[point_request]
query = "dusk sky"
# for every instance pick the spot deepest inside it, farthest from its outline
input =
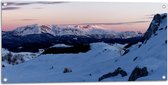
(112, 16)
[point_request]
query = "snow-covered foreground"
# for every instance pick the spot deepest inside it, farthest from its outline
(101, 59)
(82, 64)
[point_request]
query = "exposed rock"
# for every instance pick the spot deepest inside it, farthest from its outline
(165, 41)
(135, 58)
(164, 16)
(126, 51)
(161, 29)
(3, 66)
(139, 46)
(90, 74)
(115, 73)
(153, 26)
(165, 27)
(67, 70)
(137, 73)
(129, 45)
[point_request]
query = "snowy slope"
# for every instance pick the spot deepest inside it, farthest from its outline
(101, 59)
(38, 69)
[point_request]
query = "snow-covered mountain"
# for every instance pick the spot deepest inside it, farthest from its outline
(59, 30)
(44, 36)
(142, 61)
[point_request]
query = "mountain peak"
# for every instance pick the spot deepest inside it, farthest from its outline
(87, 26)
(26, 30)
(157, 22)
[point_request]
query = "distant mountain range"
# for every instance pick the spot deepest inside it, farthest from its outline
(78, 30)
(34, 37)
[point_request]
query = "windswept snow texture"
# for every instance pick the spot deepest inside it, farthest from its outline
(101, 59)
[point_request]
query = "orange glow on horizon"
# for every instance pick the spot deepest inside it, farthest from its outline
(82, 12)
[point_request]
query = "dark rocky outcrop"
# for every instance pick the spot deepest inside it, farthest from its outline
(139, 45)
(125, 51)
(161, 29)
(90, 74)
(3, 66)
(165, 27)
(135, 58)
(137, 73)
(129, 45)
(115, 73)
(164, 16)
(165, 41)
(67, 70)
(153, 26)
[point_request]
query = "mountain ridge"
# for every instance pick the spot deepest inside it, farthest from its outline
(59, 30)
